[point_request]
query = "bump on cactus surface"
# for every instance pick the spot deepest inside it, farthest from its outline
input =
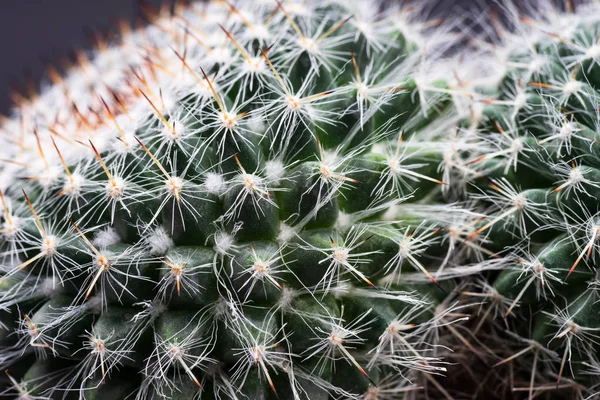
(307, 200)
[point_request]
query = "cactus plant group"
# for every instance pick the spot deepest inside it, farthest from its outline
(307, 200)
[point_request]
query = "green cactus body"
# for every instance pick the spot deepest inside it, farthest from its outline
(305, 200)
(207, 209)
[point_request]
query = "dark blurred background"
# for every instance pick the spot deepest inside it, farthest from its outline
(35, 32)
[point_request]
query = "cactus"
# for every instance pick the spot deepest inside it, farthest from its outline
(236, 201)
(307, 200)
